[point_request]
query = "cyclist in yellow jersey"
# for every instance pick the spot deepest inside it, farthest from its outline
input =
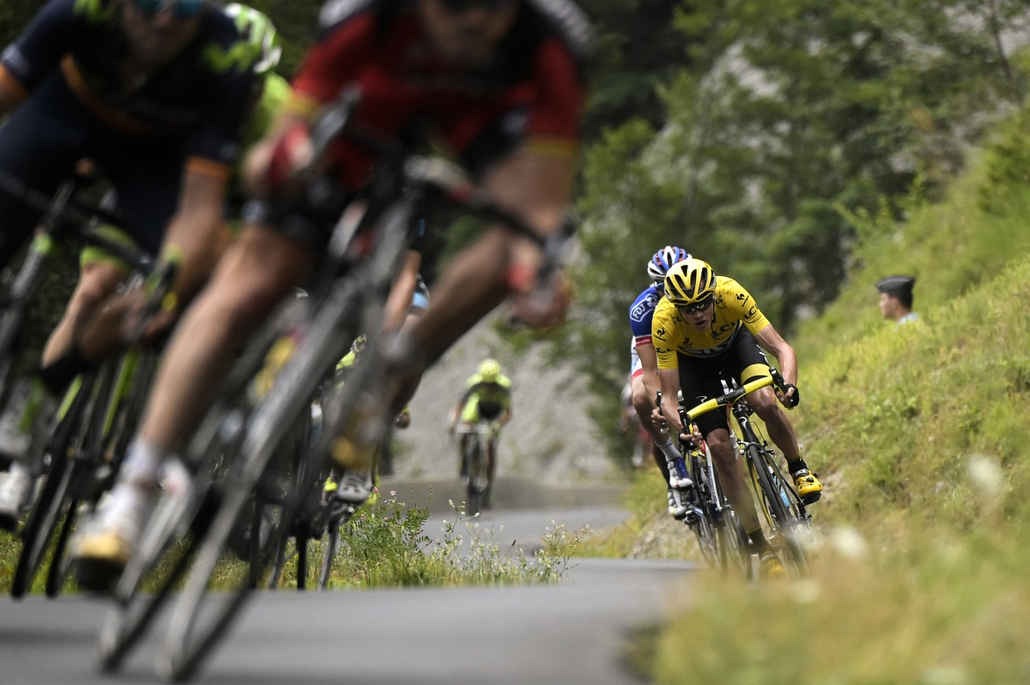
(706, 326)
(487, 397)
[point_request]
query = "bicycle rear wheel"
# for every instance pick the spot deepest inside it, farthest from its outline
(52, 504)
(474, 488)
(201, 615)
(331, 544)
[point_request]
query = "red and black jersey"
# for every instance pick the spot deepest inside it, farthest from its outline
(532, 89)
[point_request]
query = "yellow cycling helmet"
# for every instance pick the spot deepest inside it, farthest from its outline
(689, 282)
(489, 370)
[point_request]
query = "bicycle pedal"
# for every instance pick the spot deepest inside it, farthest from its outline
(812, 497)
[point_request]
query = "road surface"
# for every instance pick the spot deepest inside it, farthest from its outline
(570, 632)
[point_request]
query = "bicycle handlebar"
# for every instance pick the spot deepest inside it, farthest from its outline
(436, 173)
(688, 415)
(73, 207)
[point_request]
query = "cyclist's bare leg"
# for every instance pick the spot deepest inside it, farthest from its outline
(261, 268)
(643, 405)
(97, 282)
(781, 430)
(536, 185)
(731, 475)
(470, 289)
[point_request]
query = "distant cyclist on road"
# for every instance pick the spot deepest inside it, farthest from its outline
(707, 325)
(487, 397)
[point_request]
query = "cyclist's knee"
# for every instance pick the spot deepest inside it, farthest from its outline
(720, 445)
(96, 284)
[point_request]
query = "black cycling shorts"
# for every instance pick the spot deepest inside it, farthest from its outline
(701, 378)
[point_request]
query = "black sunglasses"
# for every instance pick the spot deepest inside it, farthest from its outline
(693, 308)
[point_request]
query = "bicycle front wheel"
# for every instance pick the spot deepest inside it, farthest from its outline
(477, 476)
(783, 508)
(52, 505)
(704, 527)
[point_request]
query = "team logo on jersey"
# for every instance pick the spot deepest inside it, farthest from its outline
(641, 309)
(240, 56)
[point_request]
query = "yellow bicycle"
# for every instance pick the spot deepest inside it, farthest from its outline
(788, 523)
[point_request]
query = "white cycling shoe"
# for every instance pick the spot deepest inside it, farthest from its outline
(15, 496)
(355, 486)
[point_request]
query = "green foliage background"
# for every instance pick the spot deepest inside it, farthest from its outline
(768, 137)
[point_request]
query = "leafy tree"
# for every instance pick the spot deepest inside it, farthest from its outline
(790, 115)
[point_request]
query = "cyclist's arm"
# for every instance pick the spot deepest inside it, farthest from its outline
(52, 33)
(506, 416)
(649, 365)
(787, 360)
(291, 125)
(456, 416)
(329, 65)
(197, 227)
(10, 95)
(670, 381)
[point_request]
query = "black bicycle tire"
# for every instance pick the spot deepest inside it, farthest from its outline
(127, 622)
(180, 656)
(797, 555)
(60, 563)
(39, 532)
(473, 495)
(39, 528)
(302, 561)
(734, 539)
(736, 543)
(784, 521)
(704, 527)
(329, 549)
(92, 448)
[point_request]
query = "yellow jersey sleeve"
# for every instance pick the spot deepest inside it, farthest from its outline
(665, 333)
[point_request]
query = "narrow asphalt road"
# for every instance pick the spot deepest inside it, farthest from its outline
(570, 632)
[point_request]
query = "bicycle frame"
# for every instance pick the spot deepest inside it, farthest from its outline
(782, 508)
(478, 437)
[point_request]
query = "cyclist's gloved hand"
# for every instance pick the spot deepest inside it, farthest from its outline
(538, 305)
(788, 398)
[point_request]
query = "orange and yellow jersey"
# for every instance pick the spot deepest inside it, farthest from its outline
(734, 307)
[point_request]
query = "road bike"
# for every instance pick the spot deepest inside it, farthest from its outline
(70, 215)
(348, 293)
(86, 437)
(782, 510)
(475, 467)
(720, 536)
